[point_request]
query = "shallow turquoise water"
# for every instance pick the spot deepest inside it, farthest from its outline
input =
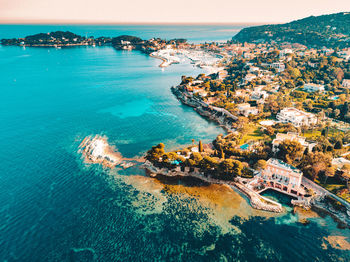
(53, 207)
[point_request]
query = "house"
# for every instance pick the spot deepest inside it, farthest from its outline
(245, 109)
(259, 94)
(296, 117)
(249, 77)
(285, 52)
(200, 92)
(254, 69)
(339, 162)
(280, 137)
(327, 51)
(312, 64)
(346, 83)
(243, 94)
(279, 66)
(311, 87)
(282, 177)
(222, 74)
(248, 55)
(345, 54)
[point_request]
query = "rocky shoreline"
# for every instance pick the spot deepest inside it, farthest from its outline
(220, 116)
(256, 201)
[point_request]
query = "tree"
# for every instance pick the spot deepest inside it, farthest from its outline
(325, 132)
(270, 131)
(155, 152)
(208, 163)
(338, 144)
(314, 163)
(289, 151)
(221, 153)
(260, 164)
(229, 168)
(329, 172)
(172, 156)
(196, 157)
(200, 146)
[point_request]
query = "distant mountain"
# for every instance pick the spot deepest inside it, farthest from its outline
(315, 31)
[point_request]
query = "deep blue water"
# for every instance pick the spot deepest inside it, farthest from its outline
(54, 207)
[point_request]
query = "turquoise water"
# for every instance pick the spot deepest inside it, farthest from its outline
(54, 207)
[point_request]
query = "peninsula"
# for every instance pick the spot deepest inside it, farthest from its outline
(280, 93)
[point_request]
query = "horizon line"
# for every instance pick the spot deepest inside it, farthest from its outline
(82, 22)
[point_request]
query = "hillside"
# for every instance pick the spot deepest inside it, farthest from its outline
(58, 37)
(315, 31)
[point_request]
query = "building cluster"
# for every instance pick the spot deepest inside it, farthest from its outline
(258, 72)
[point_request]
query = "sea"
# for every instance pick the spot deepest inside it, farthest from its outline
(56, 207)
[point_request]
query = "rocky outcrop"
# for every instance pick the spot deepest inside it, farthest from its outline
(97, 150)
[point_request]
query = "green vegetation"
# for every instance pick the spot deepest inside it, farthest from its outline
(58, 38)
(326, 30)
(290, 151)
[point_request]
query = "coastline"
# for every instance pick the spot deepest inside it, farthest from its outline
(220, 117)
(165, 62)
(255, 200)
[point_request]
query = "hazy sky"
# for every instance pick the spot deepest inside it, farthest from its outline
(178, 11)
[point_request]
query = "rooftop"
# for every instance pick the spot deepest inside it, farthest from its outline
(280, 163)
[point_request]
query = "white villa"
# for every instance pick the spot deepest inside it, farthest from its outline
(311, 87)
(245, 109)
(279, 66)
(296, 117)
(282, 177)
(345, 54)
(285, 51)
(254, 69)
(346, 83)
(259, 94)
(249, 77)
(339, 162)
(280, 137)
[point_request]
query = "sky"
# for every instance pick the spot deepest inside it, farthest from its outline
(165, 11)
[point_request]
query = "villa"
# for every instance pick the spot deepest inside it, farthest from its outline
(245, 109)
(280, 137)
(311, 87)
(222, 74)
(249, 77)
(296, 117)
(279, 66)
(258, 94)
(282, 177)
(286, 51)
(345, 54)
(339, 162)
(254, 69)
(346, 83)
